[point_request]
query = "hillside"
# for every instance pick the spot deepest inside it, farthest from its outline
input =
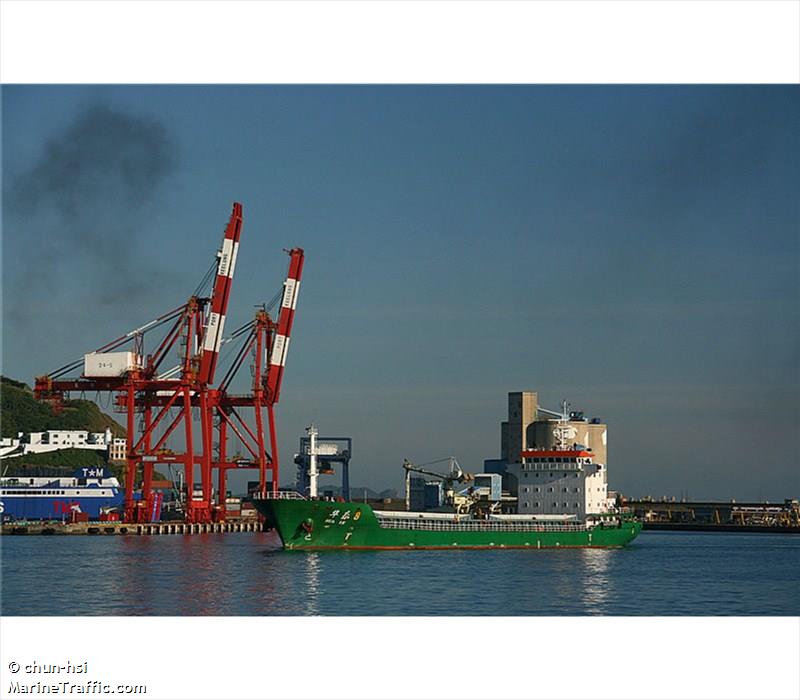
(22, 413)
(59, 463)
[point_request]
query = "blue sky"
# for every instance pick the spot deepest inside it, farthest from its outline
(632, 249)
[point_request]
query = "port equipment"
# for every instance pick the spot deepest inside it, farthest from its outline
(455, 475)
(324, 452)
(167, 398)
(268, 343)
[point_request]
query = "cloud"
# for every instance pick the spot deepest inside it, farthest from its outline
(85, 201)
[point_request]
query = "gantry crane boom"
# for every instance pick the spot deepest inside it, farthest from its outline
(219, 299)
(280, 341)
(269, 343)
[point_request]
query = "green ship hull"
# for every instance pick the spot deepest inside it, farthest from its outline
(317, 525)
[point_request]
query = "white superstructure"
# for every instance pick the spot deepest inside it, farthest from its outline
(560, 482)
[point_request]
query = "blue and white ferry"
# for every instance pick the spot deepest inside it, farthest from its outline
(88, 490)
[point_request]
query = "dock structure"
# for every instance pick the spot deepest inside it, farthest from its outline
(717, 515)
(118, 528)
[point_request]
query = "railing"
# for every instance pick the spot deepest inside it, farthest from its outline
(474, 526)
(283, 495)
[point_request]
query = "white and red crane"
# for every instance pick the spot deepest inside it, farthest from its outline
(166, 399)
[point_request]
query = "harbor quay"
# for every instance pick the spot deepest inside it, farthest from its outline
(121, 528)
(717, 516)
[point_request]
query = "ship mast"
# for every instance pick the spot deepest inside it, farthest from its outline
(312, 460)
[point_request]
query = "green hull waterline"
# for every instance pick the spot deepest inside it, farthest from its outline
(318, 525)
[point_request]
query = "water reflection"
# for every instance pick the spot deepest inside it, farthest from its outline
(275, 581)
(597, 581)
(203, 588)
(247, 574)
(312, 566)
(182, 575)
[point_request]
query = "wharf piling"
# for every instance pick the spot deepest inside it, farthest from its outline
(115, 528)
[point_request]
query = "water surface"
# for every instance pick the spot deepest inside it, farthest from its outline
(661, 573)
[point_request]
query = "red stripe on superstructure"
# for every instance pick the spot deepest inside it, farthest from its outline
(556, 453)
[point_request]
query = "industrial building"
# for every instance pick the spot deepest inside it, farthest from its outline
(553, 463)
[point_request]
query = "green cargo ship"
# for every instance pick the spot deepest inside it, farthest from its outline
(309, 524)
(552, 497)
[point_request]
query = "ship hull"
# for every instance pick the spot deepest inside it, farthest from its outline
(15, 505)
(320, 525)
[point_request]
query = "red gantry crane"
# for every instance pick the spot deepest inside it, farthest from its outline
(166, 399)
(268, 342)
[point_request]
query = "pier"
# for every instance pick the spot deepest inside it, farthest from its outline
(717, 516)
(116, 528)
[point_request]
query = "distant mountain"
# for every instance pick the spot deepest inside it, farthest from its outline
(22, 413)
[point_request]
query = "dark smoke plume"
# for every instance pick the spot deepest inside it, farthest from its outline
(86, 200)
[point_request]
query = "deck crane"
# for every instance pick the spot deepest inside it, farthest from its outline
(142, 388)
(455, 475)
